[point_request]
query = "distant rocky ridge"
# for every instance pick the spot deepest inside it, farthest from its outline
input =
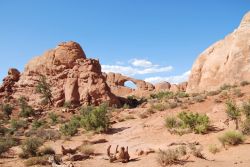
(225, 62)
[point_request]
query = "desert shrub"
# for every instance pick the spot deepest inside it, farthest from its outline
(46, 151)
(162, 95)
(53, 118)
(30, 146)
(150, 110)
(36, 161)
(244, 83)
(126, 106)
(18, 124)
(68, 129)
(86, 149)
(182, 150)
(245, 127)
(173, 105)
(44, 89)
(199, 123)
(180, 131)
(133, 102)
(199, 98)
(233, 112)
(181, 94)
(6, 109)
(6, 143)
(196, 151)
(167, 157)
(128, 117)
(86, 109)
(26, 110)
(214, 93)
(97, 119)
(217, 100)
(226, 87)
(159, 106)
(246, 109)
(171, 122)
(67, 104)
(143, 115)
(38, 123)
(3, 130)
(213, 149)
(238, 93)
(232, 138)
(44, 134)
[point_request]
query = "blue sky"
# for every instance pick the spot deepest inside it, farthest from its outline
(141, 38)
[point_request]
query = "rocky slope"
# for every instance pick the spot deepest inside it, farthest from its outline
(73, 78)
(225, 62)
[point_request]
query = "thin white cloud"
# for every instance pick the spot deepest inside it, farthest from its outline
(172, 79)
(130, 71)
(142, 63)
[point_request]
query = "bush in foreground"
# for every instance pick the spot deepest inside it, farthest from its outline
(30, 146)
(232, 138)
(198, 123)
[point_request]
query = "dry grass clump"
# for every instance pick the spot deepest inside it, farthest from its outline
(36, 161)
(87, 149)
(167, 157)
(232, 138)
(213, 149)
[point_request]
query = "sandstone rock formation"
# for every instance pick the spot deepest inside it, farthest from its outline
(73, 77)
(165, 86)
(162, 86)
(225, 62)
(116, 82)
(9, 81)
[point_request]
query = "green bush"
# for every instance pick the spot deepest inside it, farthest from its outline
(44, 89)
(167, 157)
(214, 93)
(67, 104)
(6, 109)
(54, 118)
(68, 129)
(246, 109)
(86, 149)
(30, 146)
(199, 123)
(6, 143)
(96, 119)
(232, 138)
(26, 110)
(18, 124)
(159, 106)
(213, 149)
(162, 95)
(238, 93)
(44, 134)
(233, 112)
(171, 122)
(244, 83)
(226, 87)
(199, 98)
(46, 151)
(36, 161)
(181, 94)
(245, 127)
(38, 123)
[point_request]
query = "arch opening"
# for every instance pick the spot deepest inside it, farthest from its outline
(130, 84)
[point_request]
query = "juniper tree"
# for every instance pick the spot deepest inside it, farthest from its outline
(44, 88)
